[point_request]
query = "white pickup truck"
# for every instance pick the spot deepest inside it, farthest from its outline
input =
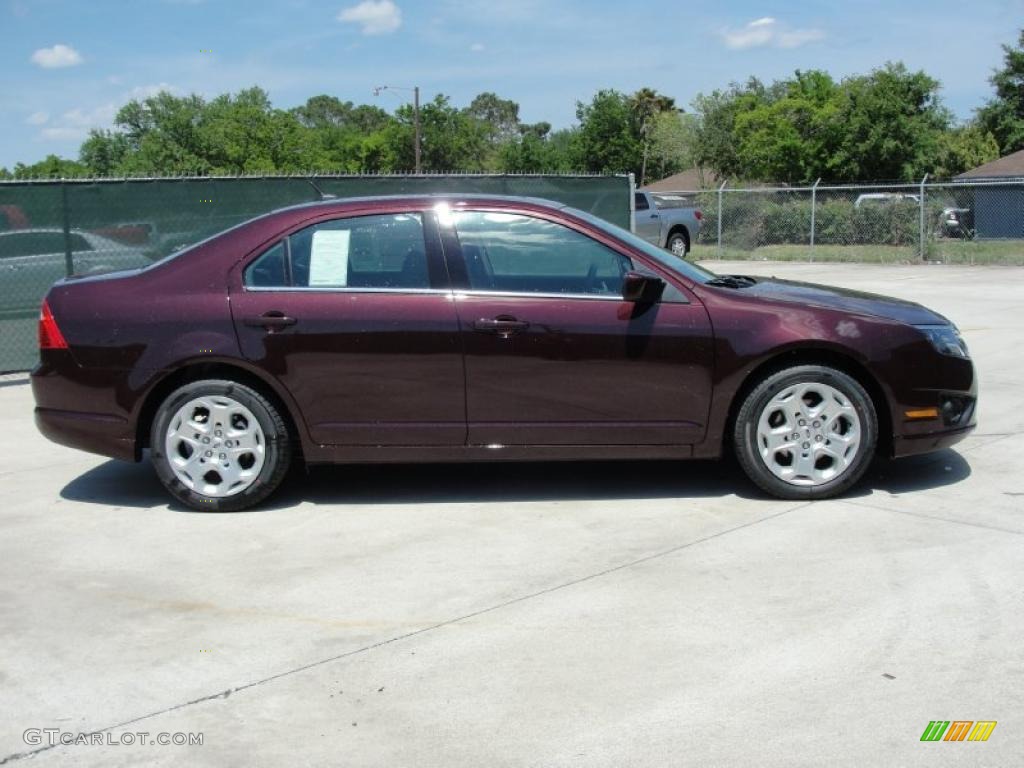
(673, 228)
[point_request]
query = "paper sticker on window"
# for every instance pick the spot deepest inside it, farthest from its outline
(328, 257)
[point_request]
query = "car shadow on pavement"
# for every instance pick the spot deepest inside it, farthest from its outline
(914, 473)
(119, 484)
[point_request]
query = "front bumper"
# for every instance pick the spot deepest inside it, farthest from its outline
(956, 420)
(911, 445)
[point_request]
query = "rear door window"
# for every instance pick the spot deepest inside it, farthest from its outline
(376, 252)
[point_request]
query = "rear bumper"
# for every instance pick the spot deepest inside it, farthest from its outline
(93, 432)
(81, 408)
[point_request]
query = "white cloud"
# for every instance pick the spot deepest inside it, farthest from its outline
(75, 124)
(377, 17)
(768, 31)
(146, 91)
(476, 47)
(59, 56)
(38, 118)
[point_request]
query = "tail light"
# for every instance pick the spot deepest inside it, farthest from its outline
(698, 215)
(50, 336)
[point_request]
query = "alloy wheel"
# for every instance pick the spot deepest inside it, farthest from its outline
(808, 434)
(215, 446)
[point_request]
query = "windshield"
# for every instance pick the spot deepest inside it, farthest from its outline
(664, 258)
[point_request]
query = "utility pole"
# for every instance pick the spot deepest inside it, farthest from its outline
(417, 151)
(416, 120)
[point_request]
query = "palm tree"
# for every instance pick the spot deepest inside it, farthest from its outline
(646, 103)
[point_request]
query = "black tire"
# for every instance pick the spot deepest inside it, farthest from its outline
(675, 240)
(745, 431)
(278, 448)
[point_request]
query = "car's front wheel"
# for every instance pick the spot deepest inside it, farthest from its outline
(219, 445)
(806, 432)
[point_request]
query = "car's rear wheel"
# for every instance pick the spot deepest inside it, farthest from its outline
(806, 432)
(679, 244)
(219, 445)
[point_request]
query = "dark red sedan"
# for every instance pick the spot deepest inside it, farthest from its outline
(482, 328)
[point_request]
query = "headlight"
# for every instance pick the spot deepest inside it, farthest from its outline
(946, 339)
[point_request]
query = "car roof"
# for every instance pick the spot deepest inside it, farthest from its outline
(434, 197)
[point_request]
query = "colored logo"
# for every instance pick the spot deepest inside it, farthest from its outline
(958, 730)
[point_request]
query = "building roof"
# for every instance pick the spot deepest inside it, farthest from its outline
(687, 181)
(1011, 166)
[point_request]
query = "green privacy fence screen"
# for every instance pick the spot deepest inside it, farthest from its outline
(52, 228)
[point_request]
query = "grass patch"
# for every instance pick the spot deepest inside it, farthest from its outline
(1006, 252)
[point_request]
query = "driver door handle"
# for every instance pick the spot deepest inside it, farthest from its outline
(270, 321)
(503, 325)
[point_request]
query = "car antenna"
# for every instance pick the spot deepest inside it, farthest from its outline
(323, 195)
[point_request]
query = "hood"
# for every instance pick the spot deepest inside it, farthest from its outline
(845, 300)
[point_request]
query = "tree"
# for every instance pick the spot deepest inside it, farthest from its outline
(451, 139)
(323, 111)
(527, 153)
(1003, 116)
(231, 134)
(791, 135)
(104, 152)
(499, 120)
(340, 132)
(499, 117)
(564, 151)
(884, 125)
(245, 134)
(717, 113)
(673, 144)
(607, 140)
(50, 167)
(892, 122)
(646, 104)
(162, 134)
(964, 148)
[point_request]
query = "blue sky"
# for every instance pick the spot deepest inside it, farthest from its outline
(66, 66)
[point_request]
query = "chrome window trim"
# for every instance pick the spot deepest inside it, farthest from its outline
(446, 291)
(456, 292)
(531, 295)
(539, 295)
(341, 289)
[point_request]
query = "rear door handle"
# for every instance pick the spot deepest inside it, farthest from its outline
(503, 325)
(270, 321)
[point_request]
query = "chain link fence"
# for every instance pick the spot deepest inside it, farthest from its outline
(978, 222)
(51, 229)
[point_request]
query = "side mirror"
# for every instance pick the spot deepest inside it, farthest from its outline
(641, 289)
